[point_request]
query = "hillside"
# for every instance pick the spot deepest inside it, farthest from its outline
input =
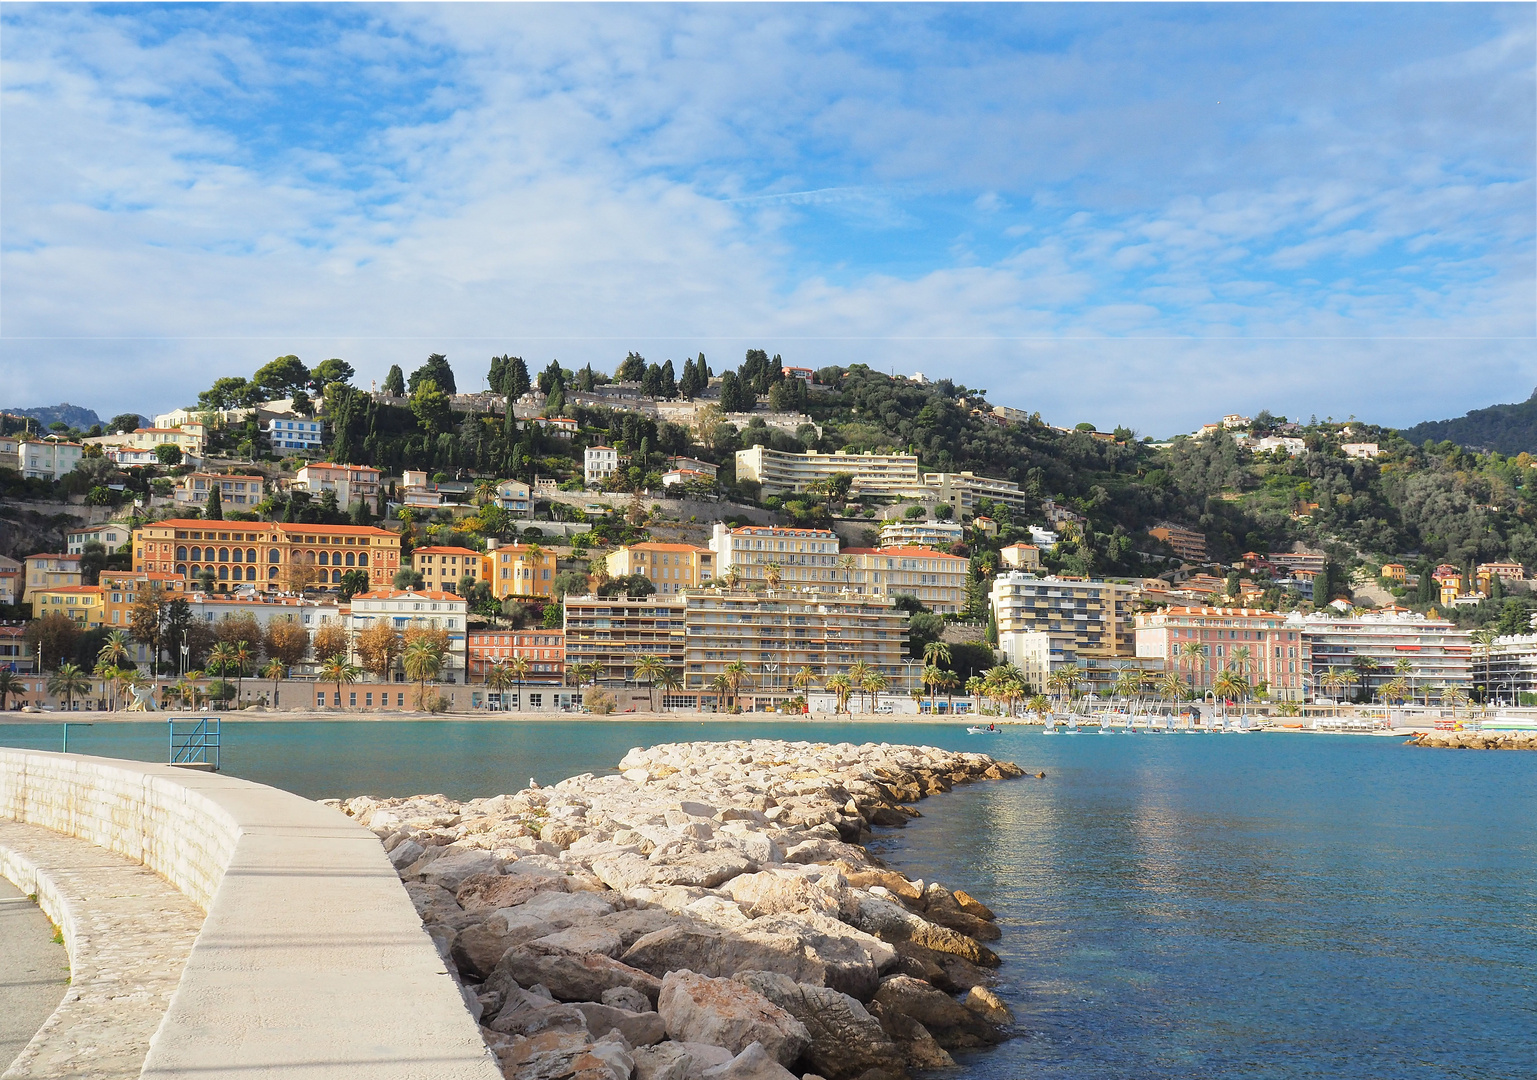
(74, 416)
(1509, 429)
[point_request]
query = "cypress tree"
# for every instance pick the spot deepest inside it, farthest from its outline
(395, 382)
(214, 510)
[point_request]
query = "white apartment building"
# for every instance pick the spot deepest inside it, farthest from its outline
(241, 491)
(111, 536)
(936, 578)
(405, 608)
(349, 483)
(777, 471)
(1080, 617)
(284, 432)
(266, 609)
(598, 464)
(962, 491)
(1439, 654)
(1030, 651)
(47, 459)
(807, 558)
(189, 438)
(928, 534)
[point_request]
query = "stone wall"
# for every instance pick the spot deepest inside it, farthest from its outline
(311, 953)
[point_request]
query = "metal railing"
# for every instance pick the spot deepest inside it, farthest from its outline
(195, 741)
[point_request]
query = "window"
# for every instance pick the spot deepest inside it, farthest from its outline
(352, 698)
(400, 699)
(320, 698)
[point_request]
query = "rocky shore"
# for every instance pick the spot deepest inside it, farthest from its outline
(1476, 740)
(708, 913)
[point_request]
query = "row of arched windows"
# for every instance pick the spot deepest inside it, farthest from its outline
(233, 573)
(248, 555)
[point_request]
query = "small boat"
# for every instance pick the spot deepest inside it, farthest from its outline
(990, 729)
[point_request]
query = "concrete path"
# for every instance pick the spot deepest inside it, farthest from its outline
(34, 971)
(130, 933)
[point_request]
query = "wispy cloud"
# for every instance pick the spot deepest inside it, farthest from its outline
(1047, 201)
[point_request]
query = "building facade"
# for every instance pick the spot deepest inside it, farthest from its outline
(613, 632)
(349, 483)
(287, 433)
(110, 536)
(240, 490)
(50, 572)
(1080, 617)
(777, 471)
(442, 568)
(598, 464)
(521, 570)
(1025, 557)
(545, 651)
(266, 556)
(1263, 646)
(936, 578)
(670, 567)
(47, 459)
(515, 497)
(806, 558)
(1187, 543)
(404, 609)
(79, 602)
(925, 534)
(1436, 653)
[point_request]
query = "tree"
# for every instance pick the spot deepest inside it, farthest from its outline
(126, 422)
(1193, 654)
(328, 372)
(648, 669)
(115, 649)
(213, 510)
(435, 371)
(70, 681)
(430, 406)
(736, 677)
(9, 684)
(275, 670)
(632, 370)
(423, 660)
(53, 638)
(395, 382)
(337, 670)
(168, 454)
(353, 582)
(377, 647)
(282, 377)
(518, 669)
(406, 578)
(330, 640)
(842, 688)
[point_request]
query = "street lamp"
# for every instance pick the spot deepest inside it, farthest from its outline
(78, 723)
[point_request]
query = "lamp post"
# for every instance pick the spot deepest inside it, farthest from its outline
(78, 723)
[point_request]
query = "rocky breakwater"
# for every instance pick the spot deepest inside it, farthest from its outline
(1476, 740)
(708, 913)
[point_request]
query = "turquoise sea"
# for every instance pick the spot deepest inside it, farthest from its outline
(1174, 906)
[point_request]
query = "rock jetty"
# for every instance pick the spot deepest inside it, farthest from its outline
(1476, 740)
(708, 913)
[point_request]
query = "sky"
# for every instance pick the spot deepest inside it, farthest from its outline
(1147, 215)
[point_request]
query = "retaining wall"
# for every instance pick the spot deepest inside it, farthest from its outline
(311, 962)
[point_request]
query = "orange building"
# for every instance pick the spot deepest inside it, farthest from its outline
(545, 651)
(521, 570)
(266, 556)
(442, 568)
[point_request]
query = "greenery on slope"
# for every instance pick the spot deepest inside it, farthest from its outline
(1509, 429)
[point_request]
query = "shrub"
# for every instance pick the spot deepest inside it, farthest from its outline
(599, 702)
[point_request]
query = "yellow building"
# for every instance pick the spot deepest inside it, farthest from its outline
(267, 556)
(670, 567)
(80, 602)
(936, 578)
(442, 568)
(120, 588)
(521, 570)
(49, 572)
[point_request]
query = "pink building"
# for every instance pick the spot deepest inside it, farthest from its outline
(1275, 653)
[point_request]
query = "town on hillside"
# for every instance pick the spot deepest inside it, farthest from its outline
(765, 538)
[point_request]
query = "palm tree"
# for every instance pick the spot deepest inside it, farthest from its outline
(1403, 667)
(1129, 683)
(1192, 653)
(948, 681)
(1229, 685)
(847, 563)
(275, 670)
(1040, 704)
(671, 682)
(499, 678)
(936, 653)
(115, 649)
(803, 679)
(1394, 689)
(1453, 696)
(242, 652)
(423, 661)
(108, 676)
(773, 573)
(519, 668)
(1065, 681)
(220, 657)
(975, 686)
(338, 669)
(1171, 686)
(70, 680)
(1484, 639)
(857, 675)
(1240, 660)
(736, 677)
(930, 677)
(9, 684)
(732, 576)
(187, 689)
(485, 491)
(722, 687)
(649, 668)
(841, 687)
(873, 684)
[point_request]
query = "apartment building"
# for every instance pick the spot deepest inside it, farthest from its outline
(45, 571)
(12, 578)
(612, 632)
(47, 459)
(407, 608)
(1298, 560)
(121, 588)
(1188, 544)
(936, 578)
(925, 534)
(1080, 617)
(287, 433)
(349, 483)
(79, 602)
(777, 471)
(240, 490)
(1276, 653)
(266, 556)
(964, 490)
(775, 637)
(110, 536)
(267, 609)
(442, 568)
(1508, 573)
(670, 567)
(806, 558)
(545, 651)
(693, 465)
(1439, 654)
(9, 445)
(521, 570)
(598, 464)
(1361, 449)
(189, 438)
(16, 654)
(515, 497)
(1505, 672)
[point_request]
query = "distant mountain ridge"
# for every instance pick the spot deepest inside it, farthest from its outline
(74, 415)
(1510, 429)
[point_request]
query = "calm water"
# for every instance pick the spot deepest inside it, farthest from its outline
(1173, 906)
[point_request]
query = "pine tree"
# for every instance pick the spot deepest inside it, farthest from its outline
(214, 510)
(632, 370)
(687, 386)
(651, 381)
(436, 370)
(587, 381)
(515, 380)
(669, 387)
(395, 382)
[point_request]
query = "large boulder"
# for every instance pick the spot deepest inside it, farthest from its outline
(706, 869)
(953, 1026)
(843, 957)
(677, 1060)
(697, 1008)
(579, 940)
(478, 947)
(846, 1041)
(918, 1047)
(769, 892)
(891, 922)
(547, 1056)
(753, 1063)
(712, 951)
(486, 892)
(574, 978)
(989, 1006)
(639, 1028)
(433, 902)
(454, 867)
(567, 909)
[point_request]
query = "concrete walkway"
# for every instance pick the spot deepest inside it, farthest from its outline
(130, 933)
(34, 971)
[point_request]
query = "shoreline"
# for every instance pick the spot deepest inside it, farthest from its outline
(407, 716)
(709, 910)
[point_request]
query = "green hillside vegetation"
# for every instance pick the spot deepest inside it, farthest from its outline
(1509, 429)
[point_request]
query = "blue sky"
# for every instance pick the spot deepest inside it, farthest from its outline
(1144, 214)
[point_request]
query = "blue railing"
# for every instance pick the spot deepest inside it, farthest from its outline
(195, 741)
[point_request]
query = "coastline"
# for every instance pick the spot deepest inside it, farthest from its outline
(631, 924)
(407, 716)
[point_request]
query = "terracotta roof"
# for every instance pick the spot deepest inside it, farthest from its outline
(915, 552)
(653, 545)
(391, 594)
(446, 551)
(73, 589)
(47, 555)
